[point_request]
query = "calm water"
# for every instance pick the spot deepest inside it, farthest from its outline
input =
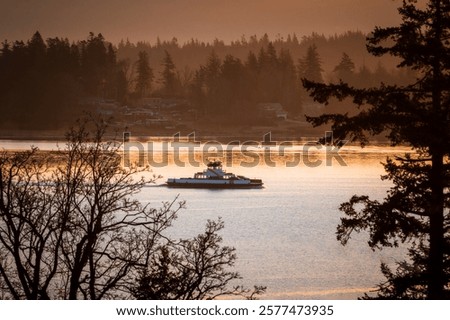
(285, 233)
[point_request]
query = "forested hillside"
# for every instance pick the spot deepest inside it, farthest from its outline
(46, 82)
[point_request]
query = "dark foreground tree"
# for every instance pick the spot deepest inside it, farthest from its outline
(193, 269)
(416, 209)
(70, 224)
(70, 227)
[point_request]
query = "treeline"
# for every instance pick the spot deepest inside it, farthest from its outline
(230, 87)
(43, 83)
(193, 53)
(189, 56)
(223, 85)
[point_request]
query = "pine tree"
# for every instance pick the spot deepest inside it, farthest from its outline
(289, 88)
(168, 75)
(211, 83)
(144, 75)
(415, 211)
(37, 49)
(94, 64)
(345, 69)
(310, 66)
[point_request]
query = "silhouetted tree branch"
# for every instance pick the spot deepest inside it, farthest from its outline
(193, 269)
(70, 226)
(415, 211)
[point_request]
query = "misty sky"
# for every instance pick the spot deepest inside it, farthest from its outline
(144, 20)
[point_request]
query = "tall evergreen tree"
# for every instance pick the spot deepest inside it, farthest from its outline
(269, 75)
(144, 75)
(251, 69)
(94, 64)
(212, 69)
(416, 209)
(37, 48)
(310, 66)
(168, 75)
(231, 86)
(289, 88)
(211, 79)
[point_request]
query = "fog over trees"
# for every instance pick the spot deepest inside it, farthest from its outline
(44, 83)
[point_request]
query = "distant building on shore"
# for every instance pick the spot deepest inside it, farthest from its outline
(272, 110)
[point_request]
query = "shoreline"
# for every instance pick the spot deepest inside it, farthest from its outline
(249, 140)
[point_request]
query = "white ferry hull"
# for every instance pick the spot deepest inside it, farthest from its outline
(215, 178)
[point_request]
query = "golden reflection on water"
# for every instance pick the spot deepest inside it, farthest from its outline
(342, 164)
(285, 232)
(263, 157)
(338, 293)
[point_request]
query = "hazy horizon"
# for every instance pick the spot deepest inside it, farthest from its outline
(205, 20)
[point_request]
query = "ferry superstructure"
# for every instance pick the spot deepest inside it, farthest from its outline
(215, 177)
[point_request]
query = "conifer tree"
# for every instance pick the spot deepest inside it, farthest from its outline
(415, 211)
(144, 75)
(168, 75)
(310, 66)
(344, 70)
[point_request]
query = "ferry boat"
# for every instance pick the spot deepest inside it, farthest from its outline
(215, 177)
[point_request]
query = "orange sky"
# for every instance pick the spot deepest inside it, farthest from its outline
(185, 19)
